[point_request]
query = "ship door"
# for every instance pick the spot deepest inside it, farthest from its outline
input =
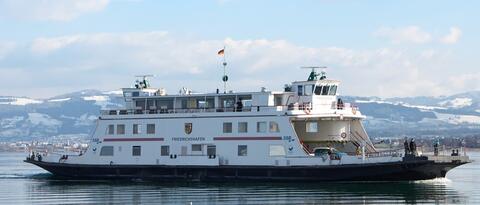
(184, 150)
(211, 151)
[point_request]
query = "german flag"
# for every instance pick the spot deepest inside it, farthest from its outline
(221, 52)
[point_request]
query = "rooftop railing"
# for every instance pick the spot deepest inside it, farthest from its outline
(307, 107)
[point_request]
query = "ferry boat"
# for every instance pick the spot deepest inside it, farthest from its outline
(305, 132)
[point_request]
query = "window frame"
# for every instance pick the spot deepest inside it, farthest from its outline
(300, 90)
(111, 129)
(242, 150)
(242, 130)
(225, 128)
(167, 148)
(134, 153)
(259, 130)
(103, 150)
(308, 128)
(136, 129)
(197, 146)
(273, 130)
(149, 129)
(122, 129)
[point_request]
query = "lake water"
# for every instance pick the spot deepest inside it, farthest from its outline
(22, 183)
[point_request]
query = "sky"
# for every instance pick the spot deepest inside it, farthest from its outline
(376, 48)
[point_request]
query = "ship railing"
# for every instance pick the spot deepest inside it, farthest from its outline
(192, 110)
(344, 106)
(385, 153)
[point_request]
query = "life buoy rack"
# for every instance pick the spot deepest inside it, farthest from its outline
(343, 135)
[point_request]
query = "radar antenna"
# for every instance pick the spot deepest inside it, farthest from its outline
(313, 75)
(144, 82)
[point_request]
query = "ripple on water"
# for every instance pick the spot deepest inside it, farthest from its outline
(23, 183)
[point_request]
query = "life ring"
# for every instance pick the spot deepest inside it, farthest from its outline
(343, 135)
(307, 110)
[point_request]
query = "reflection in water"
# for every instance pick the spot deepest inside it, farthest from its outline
(53, 191)
(21, 183)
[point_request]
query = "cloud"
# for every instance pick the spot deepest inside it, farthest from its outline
(410, 34)
(453, 36)
(107, 61)
(49, 10)
(5, 48)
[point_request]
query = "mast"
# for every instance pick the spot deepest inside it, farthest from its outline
(224, 63)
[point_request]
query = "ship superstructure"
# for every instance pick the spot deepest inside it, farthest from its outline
(304, 132)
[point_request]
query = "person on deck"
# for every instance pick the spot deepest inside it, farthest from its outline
(407, 148)
(413, 147)
(239, 105)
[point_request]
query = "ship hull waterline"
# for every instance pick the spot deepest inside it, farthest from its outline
(391, 171)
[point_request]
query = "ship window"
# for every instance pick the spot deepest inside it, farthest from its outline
(333, 90)
(242, 127)
(165, 150)
(300, 90)
(312, 127)
(277, 150)
(150, 128)
(261, 127)
(274, 127)
(140, 104)
(106, 151)
(120, 129)
(136, 129)
(211, 150)
(227, 127)
(111, 129)
(135, 94)
(242, 150)
(325, 90)
(318, 90)
(136, 150)
(196, 147)
(308, 89)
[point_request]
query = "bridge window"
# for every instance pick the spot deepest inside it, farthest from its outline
(325, 90)
(312, 127)
(120, 129)
(242, 150)
(111, 129)
(261, 127)
(136, 150)
(150, 128)
(136, 129)
(277, 150)
(300, 90)
(227, 127)
(318, 90)
(274, 127)
(106, 151)
(165, 150)
(333, 90)
(308, 89)
(242, 127)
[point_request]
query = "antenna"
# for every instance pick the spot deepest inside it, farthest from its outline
(313, 75)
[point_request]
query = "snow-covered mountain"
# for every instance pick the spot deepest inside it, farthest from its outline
(75, 113)
(69, 114)
(453, 115)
